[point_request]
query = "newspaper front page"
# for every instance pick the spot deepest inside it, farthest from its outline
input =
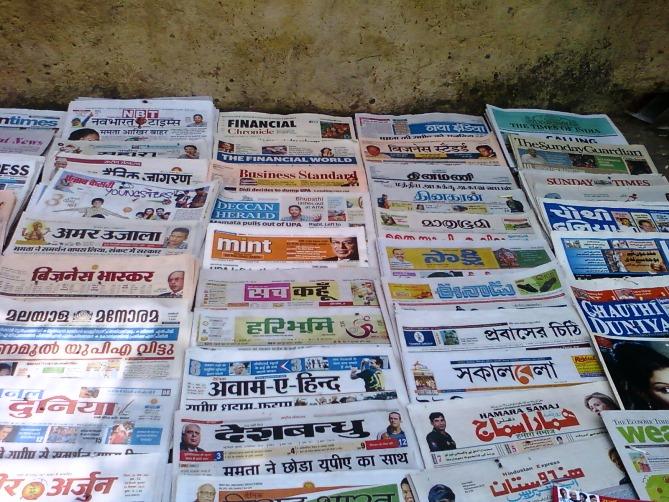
(604, 193)
(245, 124)
(334, 438)
(28, 132)
(216, 381)
(19, 174)
(562, 494)
(82, 338)
(418, 126)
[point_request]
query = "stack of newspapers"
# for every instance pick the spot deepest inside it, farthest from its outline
(237, 306)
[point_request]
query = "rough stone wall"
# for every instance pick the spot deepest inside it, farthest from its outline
(337, 56)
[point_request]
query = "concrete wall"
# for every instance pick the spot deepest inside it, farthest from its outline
(336, 56)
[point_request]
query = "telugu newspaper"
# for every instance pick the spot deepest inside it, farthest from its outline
(244, 124)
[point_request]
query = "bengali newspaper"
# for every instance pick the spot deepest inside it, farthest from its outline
(28, 132)
(533, 287)
(232, 379)
(599, 216)
(62, 418)
(77, 195)
(482, 151)
(35, 235)
(328, 438)
(641, 439)
(233, 247)
(82, 338)
(419, 126)
(389, 485)
(584, 255)
(297, 125)
(457, 258)
(99, 276)
(490, 427)
(551, 125)
(303, 326)
(269, 289)
(581, 465)
(19, 174)
(562, 494)
(537, 153)
(102, 479)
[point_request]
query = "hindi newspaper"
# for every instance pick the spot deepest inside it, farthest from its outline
(99, 276)
(81, 338)
(63, 418)
(538, 153)
(599, 216)
(252, 327)
(457, 258)
(561, 494)
(35, 235)
(641, 439)
(581, 465)
(419, 126)
(604, 193)
(474, 429)
(102, 479)
(77, 195)
(297, 125)
(27, 132)
(584, 255)
(328, 438)
(216, 381)
(19, 174)
(233, 247)
(389, 485)
(552, 125)
(533, 287)
(272, 289)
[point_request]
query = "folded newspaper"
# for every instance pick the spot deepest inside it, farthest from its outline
(418, 126)
(658, 193)
(28, 132)
(296, 125)
(19, 174)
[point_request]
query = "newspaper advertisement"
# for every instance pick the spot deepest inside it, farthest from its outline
(604, 216)
(82, 338)
(62, 418)
(98, 276)
(19, 174)
(35, 235)
(226, 380)
(288, 178)
(584, 255)
(268, 289)
(389, 485)
(458, 258)
(581, 465)
(419, 126)
(538, 153)
(343, 437)
(139, 120)
(491, 427)
(297, 125)
(604, 193)
(551, 125)
(100, 479)
(231, 247)
(327, 326)
(482, 151)
(74, 195)
(641, 439)
(561, 494)
(311, 209)
(151, 170)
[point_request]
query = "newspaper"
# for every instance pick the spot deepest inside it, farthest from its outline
(490, 427)
(27, 132)
(75, 195)
(599, 216)
(312, 209)
(140, 120)
(604, 193)
(216, 381)
(552, 125)
(282, 289)
(152, 170)
(642, 444)
(531, 152)
(62, 418)
(297, 125)
(82, 338)
(584, 255)
(252, 327)
(457, 258)
(19, 174)
(419, 126)
(561, 494)
(7, 203)
(343, 437)
(98, 276)
(35, 235)
(581, 465)
(533, 287)
(233, 247)
(21, 118)
(389, 485)
(99, 479)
